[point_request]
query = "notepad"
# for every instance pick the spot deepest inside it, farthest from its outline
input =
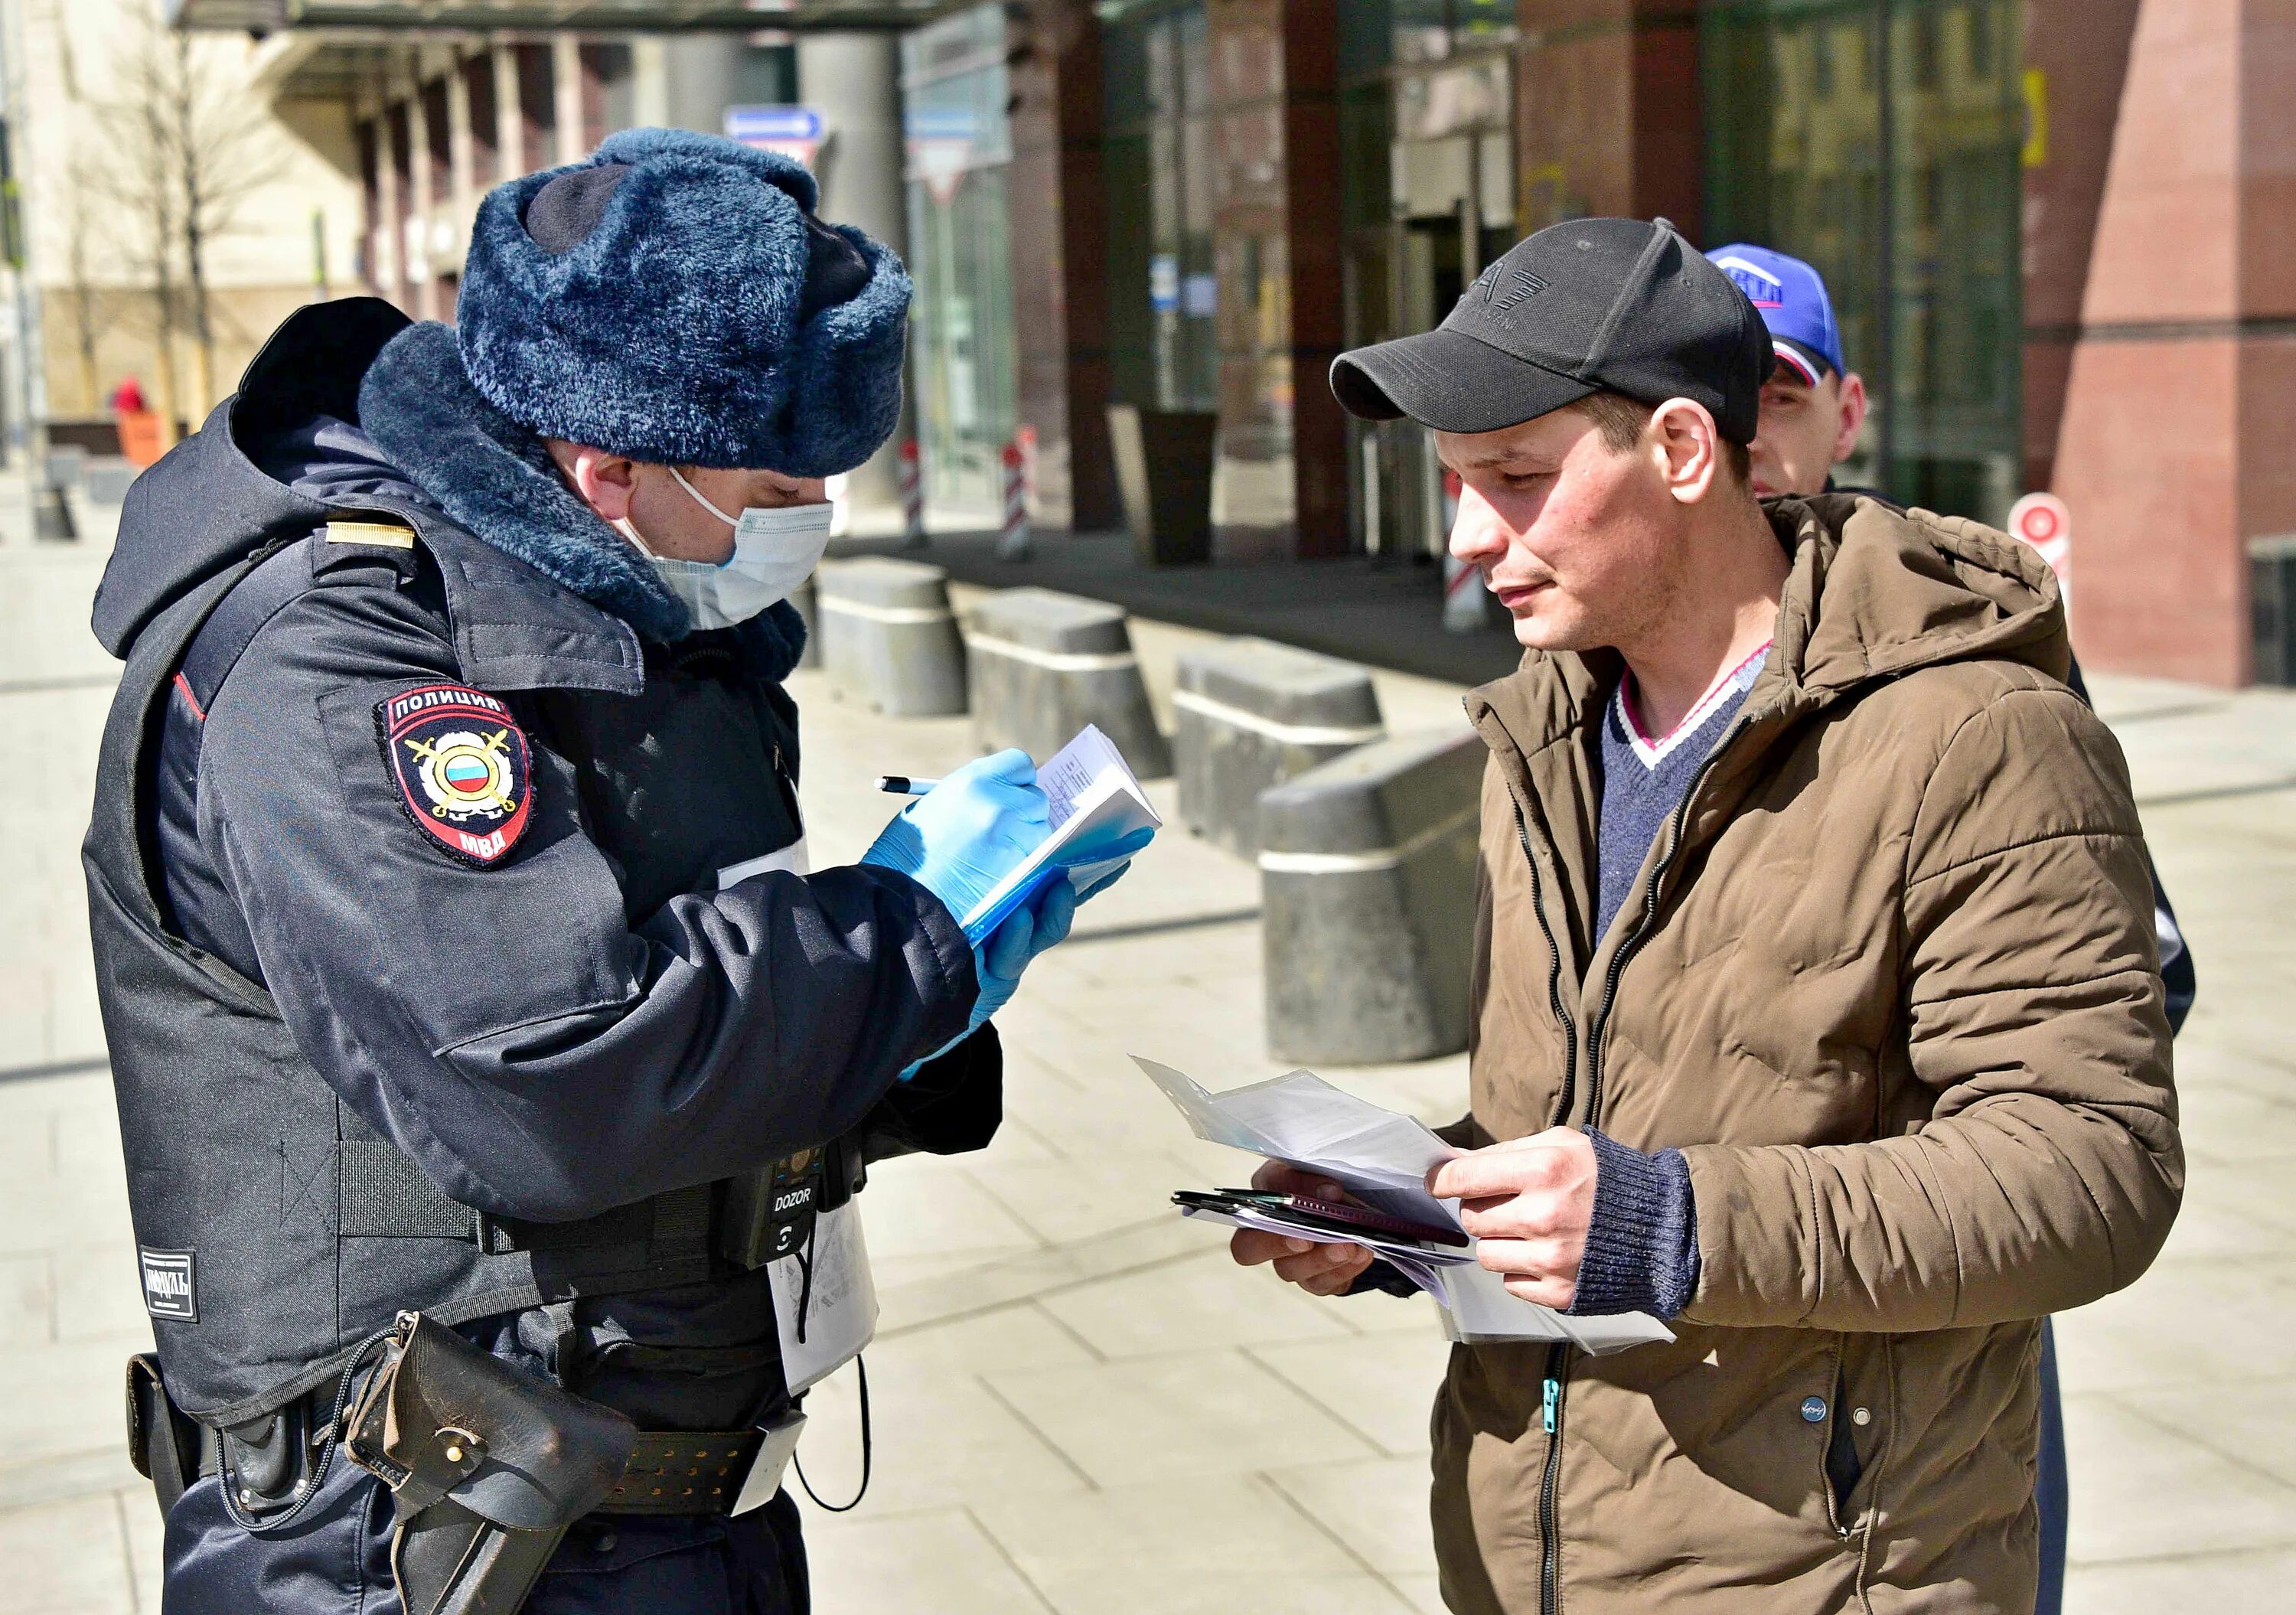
(1097, 802)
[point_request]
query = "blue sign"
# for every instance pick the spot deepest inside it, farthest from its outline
(940, 123)
(758, 126)
(1164, 284)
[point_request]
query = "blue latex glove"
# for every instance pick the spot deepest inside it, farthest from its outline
(1026, 931)
(966, 835)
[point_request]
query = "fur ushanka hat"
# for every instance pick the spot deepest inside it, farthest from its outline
(673, 298)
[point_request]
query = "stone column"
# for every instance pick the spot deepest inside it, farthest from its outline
(1317, 247)
(2169, 449)
(1606, 111)
(701, 76)
(1058, 195)
(854, 81)
(566, 87)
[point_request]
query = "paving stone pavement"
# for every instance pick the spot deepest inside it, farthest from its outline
(1079, 1405)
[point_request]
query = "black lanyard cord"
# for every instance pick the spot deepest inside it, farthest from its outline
(861, 1368)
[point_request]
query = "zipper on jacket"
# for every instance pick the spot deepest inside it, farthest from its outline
(1550, 1523)
(1558, 1356)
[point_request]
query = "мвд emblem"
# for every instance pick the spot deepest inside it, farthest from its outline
(461, 768)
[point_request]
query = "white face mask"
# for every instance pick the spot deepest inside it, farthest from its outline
(776, 548)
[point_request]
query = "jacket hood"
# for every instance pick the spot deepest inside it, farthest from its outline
(1872, 593)
(1876, 592)
(207, 503)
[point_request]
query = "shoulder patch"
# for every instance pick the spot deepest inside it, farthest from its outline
(460, 765)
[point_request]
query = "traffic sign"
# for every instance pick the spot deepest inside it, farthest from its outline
(794, 131)
(2043, 522)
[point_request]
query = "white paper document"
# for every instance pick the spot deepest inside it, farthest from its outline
(1381, 1159)
(1096, 803)
(824, 1298)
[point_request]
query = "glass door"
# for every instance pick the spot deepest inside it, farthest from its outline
(1882, 140)
(1427, 144)
(962, 340)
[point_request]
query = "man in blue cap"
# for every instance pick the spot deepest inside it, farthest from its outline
(496, 1076)
(1814, 410)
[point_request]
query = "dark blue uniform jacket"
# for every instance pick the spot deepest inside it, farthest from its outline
(586, 1023)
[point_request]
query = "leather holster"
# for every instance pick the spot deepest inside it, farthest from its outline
(487, 1467)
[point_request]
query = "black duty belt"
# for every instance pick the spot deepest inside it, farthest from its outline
(669, 1471)
(684, 1473)
(382, 1194)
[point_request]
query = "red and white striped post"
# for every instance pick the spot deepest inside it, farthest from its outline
(1013, 543)
(913, 496)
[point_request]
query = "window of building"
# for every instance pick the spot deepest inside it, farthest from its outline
(537, 107)
(958, 152)
(1428, 154)
(1904, 188)
(608, 90)
(486, 129)
(438, 143)
(1164, 295)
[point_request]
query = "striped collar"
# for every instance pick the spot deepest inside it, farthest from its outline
(1732, 684)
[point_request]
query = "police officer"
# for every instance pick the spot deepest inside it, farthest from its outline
(1814, 409)
(457, 944)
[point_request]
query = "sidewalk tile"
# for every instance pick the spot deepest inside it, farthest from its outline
(65, 1559)
(934, 1436)
(1217, 1548)
(139, 1511)
(99, 1292)
(65, 1397)
(1378, 1508)
(2222, 1583)
(1424, 1592)
(2221, 1123)
(1383, 1385)
(2198, 1322)
(2252, 1423)
(1160, 1418)
(1019, 1336)
(937, 1213)
(28, 1301)
(2142, 1491)
(1064, 1200)
(1188, 1306)
(940, 1562)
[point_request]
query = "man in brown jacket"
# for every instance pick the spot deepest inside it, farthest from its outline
(1828, 1023)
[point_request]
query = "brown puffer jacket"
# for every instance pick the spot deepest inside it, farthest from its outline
(1888, 981)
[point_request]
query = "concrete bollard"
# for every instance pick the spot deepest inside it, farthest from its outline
(1043, 665)
(1252, 713)
(66, 463)
(802, 598)
(109, 480)
(887, 636)
(1367, 888)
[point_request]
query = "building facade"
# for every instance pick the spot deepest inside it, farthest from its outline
(2054, 229)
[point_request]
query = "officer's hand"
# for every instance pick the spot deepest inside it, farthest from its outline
(1026, 931)
(1529, 1203)
(966, 835)
(1317, 1269)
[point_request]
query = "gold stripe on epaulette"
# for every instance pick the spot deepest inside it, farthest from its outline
(382, 535)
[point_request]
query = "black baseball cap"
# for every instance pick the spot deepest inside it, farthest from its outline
(1582, 307)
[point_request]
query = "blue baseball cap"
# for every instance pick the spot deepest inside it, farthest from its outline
(1790, 297)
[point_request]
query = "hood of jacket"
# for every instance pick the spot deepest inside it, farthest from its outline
(1872, 593)
(350, 405)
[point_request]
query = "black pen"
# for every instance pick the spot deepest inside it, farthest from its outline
(901, 785)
